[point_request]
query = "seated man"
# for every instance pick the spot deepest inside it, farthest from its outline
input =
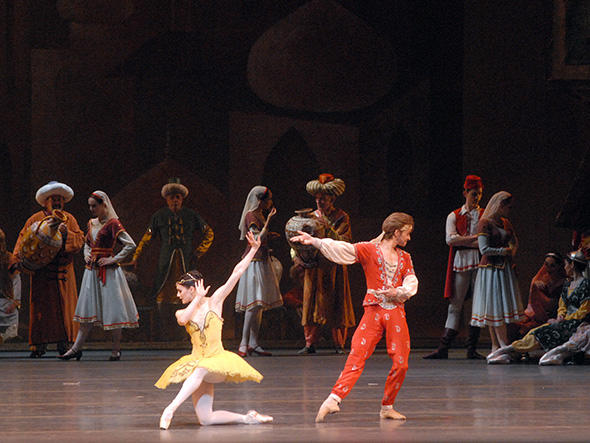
(574, 308)
(544, 295)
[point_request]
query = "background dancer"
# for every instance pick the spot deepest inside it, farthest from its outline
(53, 291)
(574, 308)
(496, 297)
(105, 299)
(461, 236)
(544, 293)
(258, 289)
(10, 287)
(326, 291)
(176, 226)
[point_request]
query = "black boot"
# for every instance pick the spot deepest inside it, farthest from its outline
(38, 351)
(307, 350)
(472, 344)
(62, 347)
(442, 352)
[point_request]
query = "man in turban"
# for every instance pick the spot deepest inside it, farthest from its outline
(464, 256)
(53, 294)
(175, 225)
(326, 291)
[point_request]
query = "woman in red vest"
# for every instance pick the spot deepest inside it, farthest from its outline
(105, 299)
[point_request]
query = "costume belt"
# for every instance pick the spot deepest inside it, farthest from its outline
(95, 255)
(383, 302)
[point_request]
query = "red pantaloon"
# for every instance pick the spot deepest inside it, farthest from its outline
(368, 333)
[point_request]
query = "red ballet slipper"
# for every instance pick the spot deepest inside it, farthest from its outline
(243, 353)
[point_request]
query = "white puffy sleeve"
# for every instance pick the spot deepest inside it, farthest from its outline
(409, 287)
(340, 252)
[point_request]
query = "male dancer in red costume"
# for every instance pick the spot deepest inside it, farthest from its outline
(461, 236)
(391, 281)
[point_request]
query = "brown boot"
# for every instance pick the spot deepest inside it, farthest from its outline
(442, 352)
(472, 344)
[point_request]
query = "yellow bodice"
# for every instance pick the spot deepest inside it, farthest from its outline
(206, 342)
(208, 353)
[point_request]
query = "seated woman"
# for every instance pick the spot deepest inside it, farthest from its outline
(578, 344)
(574, 307)
(544, 294)
(10, 287)
(208, 363)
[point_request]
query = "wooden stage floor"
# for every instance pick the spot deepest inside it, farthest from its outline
(454, 400)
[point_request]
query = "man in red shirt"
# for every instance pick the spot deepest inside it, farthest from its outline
(391, 281)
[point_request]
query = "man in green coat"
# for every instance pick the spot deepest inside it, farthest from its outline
(176, 226)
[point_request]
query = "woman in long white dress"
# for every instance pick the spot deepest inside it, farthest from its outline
(258, 289)
(105, 299)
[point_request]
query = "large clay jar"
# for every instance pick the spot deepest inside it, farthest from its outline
(42, 241)
(305, 221)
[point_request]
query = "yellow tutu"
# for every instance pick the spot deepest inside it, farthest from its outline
(208, 353)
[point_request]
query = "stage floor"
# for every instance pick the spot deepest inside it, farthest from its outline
(94, 400)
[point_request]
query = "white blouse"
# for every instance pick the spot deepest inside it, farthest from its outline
(465, 259)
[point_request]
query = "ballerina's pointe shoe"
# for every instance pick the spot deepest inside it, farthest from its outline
(255, 418)
(498, 352)
(390, 413)
(329, 406)
(502, 359)
(554, 357)
(165, 419)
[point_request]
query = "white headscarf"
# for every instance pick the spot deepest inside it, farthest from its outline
(252, 203)
(494, 204)
(107, 201)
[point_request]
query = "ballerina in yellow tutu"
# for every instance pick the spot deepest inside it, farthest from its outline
(208, 362)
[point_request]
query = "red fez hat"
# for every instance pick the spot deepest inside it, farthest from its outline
(472, 182)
